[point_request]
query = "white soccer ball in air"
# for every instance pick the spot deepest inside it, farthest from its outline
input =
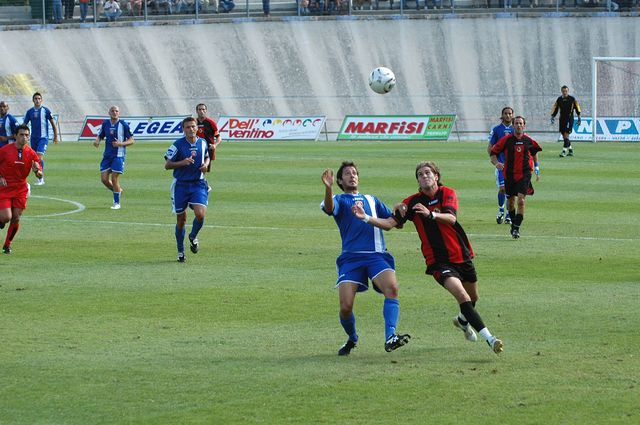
(382, 80)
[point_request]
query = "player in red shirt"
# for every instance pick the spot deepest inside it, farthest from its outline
(520, 160)
(17, 160)
(208, 130)
(445, 246)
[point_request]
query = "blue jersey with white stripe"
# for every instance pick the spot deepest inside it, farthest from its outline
(111, 132)
(182, 149)
(8, 125)
(39, 120)
(497, 133)
(358, 236)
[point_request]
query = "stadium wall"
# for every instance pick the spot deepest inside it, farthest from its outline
(470, 67)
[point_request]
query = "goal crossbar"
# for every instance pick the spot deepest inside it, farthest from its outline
(594, 86)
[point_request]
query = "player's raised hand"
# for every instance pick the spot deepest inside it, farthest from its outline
(400, 209)
(327, 177)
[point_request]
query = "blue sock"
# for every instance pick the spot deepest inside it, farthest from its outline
(390, 312)
(116, 197)
(349, 326)
(42, 164)
(195, 228)
(180, 238)
(501, 199)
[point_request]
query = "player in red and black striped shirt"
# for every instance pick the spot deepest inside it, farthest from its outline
(520, 160)
(445, 246)
(208, 130)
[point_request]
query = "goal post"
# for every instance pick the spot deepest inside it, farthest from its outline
(594, 87)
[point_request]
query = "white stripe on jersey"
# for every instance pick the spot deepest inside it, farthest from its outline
(120, 136)
(377, 233)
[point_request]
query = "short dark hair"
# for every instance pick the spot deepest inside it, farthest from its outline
(187, 119)
(505, 108)
(344, 165)
(432, 166)
(35, 94)
(564, 87)
(201, 104)
(22, 127)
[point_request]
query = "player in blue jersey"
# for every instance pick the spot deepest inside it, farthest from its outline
(8, 125)
(117, 137)
(40, 119)
(188, 157)
(497, 132)
(364, 255)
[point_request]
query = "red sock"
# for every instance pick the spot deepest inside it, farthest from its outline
(11, 232)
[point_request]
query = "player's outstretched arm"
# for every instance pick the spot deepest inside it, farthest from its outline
(382, 223)
(327, 180)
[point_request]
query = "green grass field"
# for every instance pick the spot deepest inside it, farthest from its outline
(100, 325)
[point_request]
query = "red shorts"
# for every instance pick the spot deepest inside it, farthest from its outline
(13, 197)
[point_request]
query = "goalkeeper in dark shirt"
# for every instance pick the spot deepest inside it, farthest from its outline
(566, 105)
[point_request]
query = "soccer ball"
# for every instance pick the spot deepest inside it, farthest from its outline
(382, 80)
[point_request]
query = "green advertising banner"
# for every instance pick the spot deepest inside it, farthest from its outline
(396, 127)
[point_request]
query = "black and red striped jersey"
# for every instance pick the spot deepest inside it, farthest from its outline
(440, 242)
(518, 155)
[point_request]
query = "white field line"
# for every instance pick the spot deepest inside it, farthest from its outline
(80, 207)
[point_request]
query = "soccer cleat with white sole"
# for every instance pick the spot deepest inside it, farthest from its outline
(181, 257)
(497, 345)
(500, 218)
(115, 206)
(193, 245)
(40, 182)
(469, 333)
(396, 341)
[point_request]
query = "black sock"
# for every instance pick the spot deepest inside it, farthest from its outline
(519, 219)
(472, 316)
(512, 214)
(567, 143)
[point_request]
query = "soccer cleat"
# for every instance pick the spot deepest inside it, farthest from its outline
(181, 258)
(2, 223)
(515, 233)
(193, 245)
(6, 249)
(500, 218)
(497, 346)
(345, 350)
(562, 154)
(396, 341)
(469, 333)
(507, 220)
(570, 152)
(40, 182)
(115, 206)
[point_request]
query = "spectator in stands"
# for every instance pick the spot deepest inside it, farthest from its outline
(265, 7)
(316, 6)
(57, 11)
(84, 8)
(303, 6)
(437, 4)
(179, 6)
(226, 5)
(112, 10)
(69, 6)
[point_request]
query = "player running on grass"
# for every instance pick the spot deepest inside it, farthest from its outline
(188, 157)
(364, 256)
(17, 160)
(445, 246)
(497, 133)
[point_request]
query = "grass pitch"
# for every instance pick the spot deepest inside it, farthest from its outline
(100, 324)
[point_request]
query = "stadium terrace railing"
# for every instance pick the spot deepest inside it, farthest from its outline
(34, 12)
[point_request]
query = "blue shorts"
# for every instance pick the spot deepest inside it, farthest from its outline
(499, 179)
(361, 267)
(186, 194)
(114, 164)
(40, 146)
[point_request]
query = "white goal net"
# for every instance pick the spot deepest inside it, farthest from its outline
(616, 98)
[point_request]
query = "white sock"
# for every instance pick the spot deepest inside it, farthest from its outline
(484, 332)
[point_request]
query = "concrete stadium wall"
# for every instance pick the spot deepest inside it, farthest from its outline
(471, 67)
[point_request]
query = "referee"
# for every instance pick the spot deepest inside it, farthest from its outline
(566, 105)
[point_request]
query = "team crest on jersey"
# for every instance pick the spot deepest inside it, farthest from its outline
(359, 203)
(433, 202)
(519, 148)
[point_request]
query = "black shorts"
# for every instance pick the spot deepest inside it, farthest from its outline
(565, 126)
(466, 271)
(512, 188)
